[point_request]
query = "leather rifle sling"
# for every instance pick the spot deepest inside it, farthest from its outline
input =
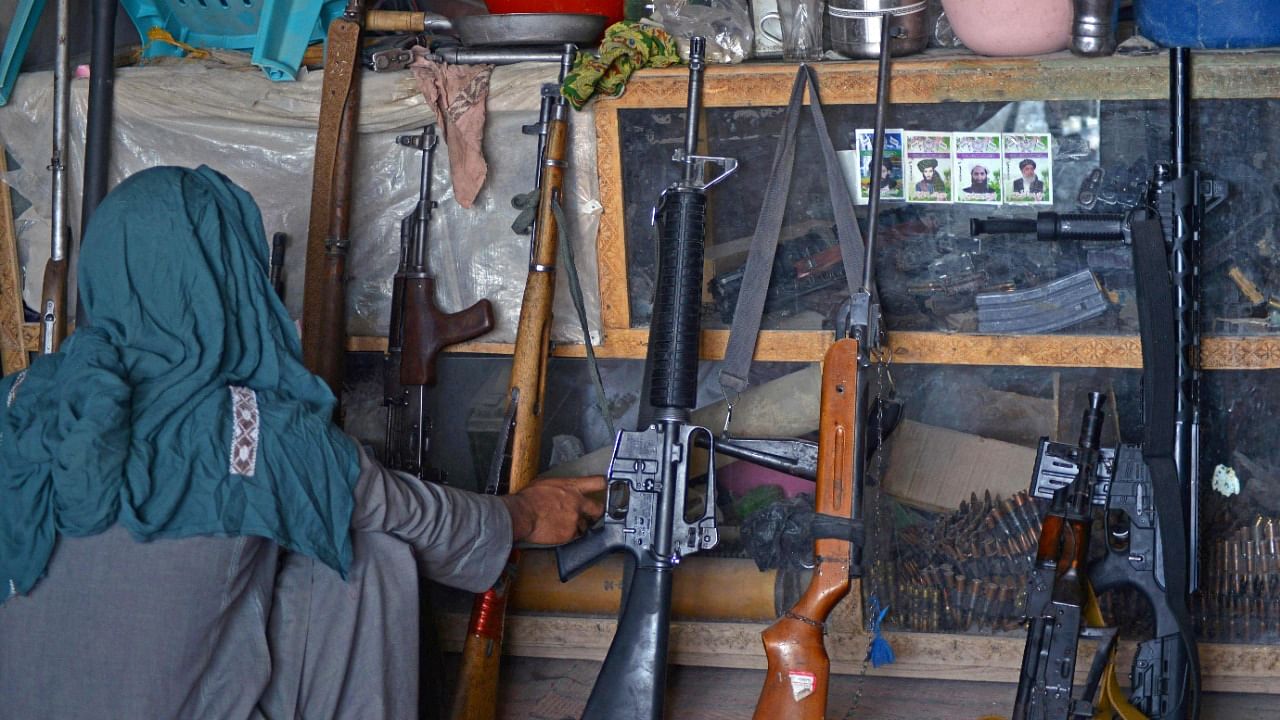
(339, 77)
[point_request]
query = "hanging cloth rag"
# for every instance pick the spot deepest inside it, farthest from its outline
(185, 408)
(457, 93)
(627, 46)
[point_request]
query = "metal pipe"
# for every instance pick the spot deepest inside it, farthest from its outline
(877, 151)
(97, 146)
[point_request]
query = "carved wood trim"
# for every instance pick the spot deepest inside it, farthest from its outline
(945, 76)
(13, 352)
(615, 306)
(923, 348)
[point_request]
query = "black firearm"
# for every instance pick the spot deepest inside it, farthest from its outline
(419, 330)
(1152, 498)
(279, 245)
(1058, 593)
(645, 512)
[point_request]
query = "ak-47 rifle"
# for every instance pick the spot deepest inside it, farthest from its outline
(1150, 491)
(516, 457)
(53, 294)
(324, 311)
(419, 330)
(648, 476)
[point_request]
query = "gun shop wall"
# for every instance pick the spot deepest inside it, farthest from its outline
(952, 524)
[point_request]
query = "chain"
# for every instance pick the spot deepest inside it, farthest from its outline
(880, 357)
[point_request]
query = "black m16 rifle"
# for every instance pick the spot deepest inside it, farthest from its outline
(419, 330)
(1152, 495)
(645, 511)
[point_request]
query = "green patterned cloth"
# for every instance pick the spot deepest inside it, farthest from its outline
(627, 46)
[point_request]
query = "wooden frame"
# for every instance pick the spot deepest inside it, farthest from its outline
(932, 77)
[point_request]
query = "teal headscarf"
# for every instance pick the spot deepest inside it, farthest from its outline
(190, 353)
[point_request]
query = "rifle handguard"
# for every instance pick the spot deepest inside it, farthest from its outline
(427, 330)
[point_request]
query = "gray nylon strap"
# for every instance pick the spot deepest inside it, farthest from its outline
(764, 242)
(579, 305)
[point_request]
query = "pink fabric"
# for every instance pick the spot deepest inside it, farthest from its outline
(458, 94)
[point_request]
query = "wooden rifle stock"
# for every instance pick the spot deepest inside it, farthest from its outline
(795, 686)
(324, 293)
(53, 306)
(477, 691)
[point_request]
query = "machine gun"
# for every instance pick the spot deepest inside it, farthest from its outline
(419, 330)
(645, 512)
(1152, 496)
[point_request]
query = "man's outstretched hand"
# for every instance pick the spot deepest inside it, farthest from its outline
(555, 510)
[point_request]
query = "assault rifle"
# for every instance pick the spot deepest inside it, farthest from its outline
(419, 330)
(645, 503)
(1152, 495)
(515, 462)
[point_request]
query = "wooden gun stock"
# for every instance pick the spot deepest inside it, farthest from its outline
(795, 686)
(53, 306)
(427, 330)
(477, 691)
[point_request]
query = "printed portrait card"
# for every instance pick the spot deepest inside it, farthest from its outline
(1028, 169)
(929, 159)
(891, 171)
(978, 168)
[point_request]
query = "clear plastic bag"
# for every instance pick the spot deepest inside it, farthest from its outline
(262, 135)
(726, 24)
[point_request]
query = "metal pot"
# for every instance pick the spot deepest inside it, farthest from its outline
(855, 26)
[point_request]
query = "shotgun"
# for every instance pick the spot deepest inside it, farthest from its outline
(324, 332)
(648, 478)
(419, 330)
(516, 457)
(53, 294)
(795, 686)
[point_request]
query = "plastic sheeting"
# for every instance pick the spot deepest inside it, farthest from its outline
(262, 135)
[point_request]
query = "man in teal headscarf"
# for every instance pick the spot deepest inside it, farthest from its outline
(183, 415)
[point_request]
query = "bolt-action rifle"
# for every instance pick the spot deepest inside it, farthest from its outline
(645, 501)
(516, 457)
(1150, 490)
(419, 330)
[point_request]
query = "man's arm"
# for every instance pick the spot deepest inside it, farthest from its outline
(460, 538)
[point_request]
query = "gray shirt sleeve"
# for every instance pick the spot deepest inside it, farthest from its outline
(460, 538)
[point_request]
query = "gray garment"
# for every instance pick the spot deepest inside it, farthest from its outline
(187, 628)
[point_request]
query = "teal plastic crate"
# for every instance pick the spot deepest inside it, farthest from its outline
(276, 31)
(25, 17)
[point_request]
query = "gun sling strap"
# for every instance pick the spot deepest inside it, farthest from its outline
(343, 45)
(1157, 327)
(764, 242)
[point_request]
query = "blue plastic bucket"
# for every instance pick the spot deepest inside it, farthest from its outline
(1217, 24)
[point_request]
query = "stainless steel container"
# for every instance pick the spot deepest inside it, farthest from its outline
(855, 26)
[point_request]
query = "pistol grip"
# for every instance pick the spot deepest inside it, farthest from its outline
(467, 324)
(427, 330)
(575, 556)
